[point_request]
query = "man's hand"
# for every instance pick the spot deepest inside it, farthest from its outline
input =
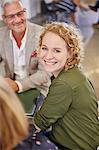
(12, 84)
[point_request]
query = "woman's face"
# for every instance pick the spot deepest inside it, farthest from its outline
(53, 53)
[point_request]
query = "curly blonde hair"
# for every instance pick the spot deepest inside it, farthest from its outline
(71, 36)
(13, 122)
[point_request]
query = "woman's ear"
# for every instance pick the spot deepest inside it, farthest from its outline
(70, 52)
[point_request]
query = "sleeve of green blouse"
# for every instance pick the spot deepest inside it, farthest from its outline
(56, 104)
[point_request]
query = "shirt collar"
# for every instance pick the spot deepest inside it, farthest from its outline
(24, 38)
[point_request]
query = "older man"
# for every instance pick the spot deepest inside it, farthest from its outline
(18, 42)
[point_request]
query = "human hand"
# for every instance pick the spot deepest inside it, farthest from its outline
(12, 84)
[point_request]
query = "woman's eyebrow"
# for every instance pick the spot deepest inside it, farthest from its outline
(58, 48)
(44, 45)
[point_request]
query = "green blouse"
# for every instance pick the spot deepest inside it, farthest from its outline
(71, 109)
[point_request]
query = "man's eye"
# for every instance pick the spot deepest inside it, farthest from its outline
(20, 13)
(10, 17)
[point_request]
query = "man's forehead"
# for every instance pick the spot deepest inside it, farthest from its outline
(4, 2)
(14, 7)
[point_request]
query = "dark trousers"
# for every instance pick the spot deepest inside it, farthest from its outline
(60, 147)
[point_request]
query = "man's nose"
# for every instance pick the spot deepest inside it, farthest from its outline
(16, 18)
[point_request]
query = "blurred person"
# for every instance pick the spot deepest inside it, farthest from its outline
(50, 10)
(18, 42)
(85, 18)
(63, 10)
(13, 123)
(59, 10)
(66, 11)
(68, 8)
(14, 126)
(71, 106)
(95, 8)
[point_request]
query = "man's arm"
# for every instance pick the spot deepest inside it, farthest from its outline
(40, 80)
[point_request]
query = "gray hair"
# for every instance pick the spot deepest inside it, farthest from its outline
(5, 2)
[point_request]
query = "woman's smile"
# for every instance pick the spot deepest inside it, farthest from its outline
(52, 52)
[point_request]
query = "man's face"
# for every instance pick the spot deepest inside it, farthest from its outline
(15, 17)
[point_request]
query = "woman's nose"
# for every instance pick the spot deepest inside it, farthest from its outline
(49, 55)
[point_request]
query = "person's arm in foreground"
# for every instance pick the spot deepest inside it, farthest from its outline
(55, 105)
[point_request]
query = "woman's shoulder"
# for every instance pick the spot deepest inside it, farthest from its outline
(72, 77)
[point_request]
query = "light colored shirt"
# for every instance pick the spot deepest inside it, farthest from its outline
(19, 59)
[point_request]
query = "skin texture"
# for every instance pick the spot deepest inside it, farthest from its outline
(18, 23)
(52, 52)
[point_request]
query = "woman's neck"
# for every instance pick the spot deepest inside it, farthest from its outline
(56, 73)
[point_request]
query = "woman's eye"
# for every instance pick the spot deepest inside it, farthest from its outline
(57, 51)
(44, 48)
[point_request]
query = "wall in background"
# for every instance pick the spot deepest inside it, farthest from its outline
(32, 6)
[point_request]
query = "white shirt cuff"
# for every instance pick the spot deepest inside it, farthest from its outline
(20, 86)
(37, 128)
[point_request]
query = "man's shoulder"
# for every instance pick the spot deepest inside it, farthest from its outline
(34, 26)
(3, 31)
(34, 30)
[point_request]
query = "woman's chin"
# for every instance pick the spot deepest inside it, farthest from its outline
(49, 70)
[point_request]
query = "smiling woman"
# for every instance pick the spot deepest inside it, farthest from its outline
(71, 106)
(53, 53)
(60, 47)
